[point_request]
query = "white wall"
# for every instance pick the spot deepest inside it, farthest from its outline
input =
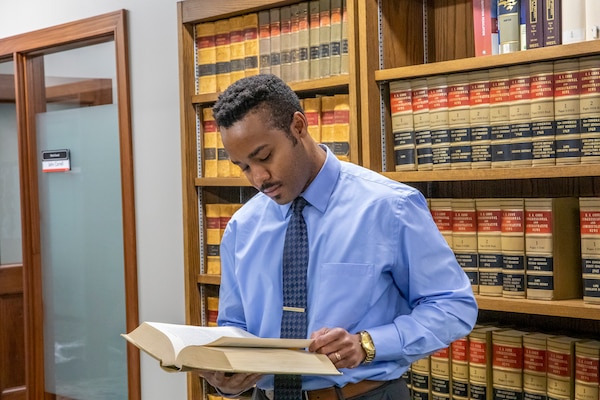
(156, 147)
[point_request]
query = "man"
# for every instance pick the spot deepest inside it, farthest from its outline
(383, 287)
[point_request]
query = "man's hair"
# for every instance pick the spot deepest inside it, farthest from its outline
(263, 91)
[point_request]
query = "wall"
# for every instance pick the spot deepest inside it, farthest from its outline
(156, 148)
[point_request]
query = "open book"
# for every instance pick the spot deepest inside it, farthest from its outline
(228, 349)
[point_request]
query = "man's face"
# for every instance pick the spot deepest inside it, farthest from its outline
(268, 156)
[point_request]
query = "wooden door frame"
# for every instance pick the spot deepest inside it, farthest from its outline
(23, 49)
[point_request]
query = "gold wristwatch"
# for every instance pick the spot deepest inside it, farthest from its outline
(368, 346)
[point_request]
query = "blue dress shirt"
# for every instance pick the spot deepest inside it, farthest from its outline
(377, 262)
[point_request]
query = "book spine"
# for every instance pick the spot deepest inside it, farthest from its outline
(480, 363)
(328, 122)
(535, 365)
(499, 117)
(552, 22)
(589, 108)
(324, 38)
(420, 107)
(589, 223)
(223, 167)
(482, 27)
(573, 21)
(314, 35)
(402, 125)
(286, 43)
(441, 211)
(335, 47)
(236, 40)
(206, 58)
(341, 128)
(264, 34)
(495, 29)
(567, 88)
(459, 121)
(209, 143)
(213, 239)
(534, 31)
(223, 50)
(520, 116)
(437, 89)
(294, 44)
(539, 248)
(479, 120)
(561, 367)
(513, 248)
(303, 41)
(312, 111)
(543, 126)
(507, 364)
(464, 238)
(251, 45)
(275, 35)
(212, 307)
(592, 20)
(459, 356)
(489, 246)
(345, 62)
(508, 26)
(587, 374)
(440, 373)
(420, 375)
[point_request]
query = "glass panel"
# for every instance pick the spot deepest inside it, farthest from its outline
(10, 206)
(82, 227)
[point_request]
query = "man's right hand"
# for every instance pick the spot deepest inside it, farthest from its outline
(229, 384)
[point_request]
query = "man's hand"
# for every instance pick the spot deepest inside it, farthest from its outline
(230, 383)
(342, 347)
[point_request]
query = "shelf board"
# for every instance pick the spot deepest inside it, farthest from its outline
(487, 174)
(557, 308)
(486, 62)
(209, 279)
(332, 84)
(232, 182)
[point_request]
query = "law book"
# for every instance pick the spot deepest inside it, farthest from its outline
(440, 373)
(513, 248)
(335, 46)
(442, 213)
(589, 217)
(534, 30)
(489, 246)
(212, 308)
(223, 163)
(294, 43)
(303, 41)
(459, 121)
(587, 371)
(459, 368)
(227, 349)
(206, 58)
(508, 26)
(324, 38)
(344, 51)
(561, 367)
(592, 20)
(209, 143)
(237, 48)
(520, 116)
(552, 22)
(567, 88)
(573, 21)
(328, 121)
(402, 125)
(314, 15)
(543, 126)
(464, 238)
(507, 364)
(437, 90)
(480, 363)
(286, 43)
(421, 378)
(552, 248)
(589, 108)
(264, 41)
(483, 27)
(420, 108)
(251, 44)
(312, 111)
(213, 238)
(535, 366)
(341, 127)
(500, 117)
(223, 54)
(479, 119)
(275, 33)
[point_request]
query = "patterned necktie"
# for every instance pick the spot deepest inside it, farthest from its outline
(293, 321)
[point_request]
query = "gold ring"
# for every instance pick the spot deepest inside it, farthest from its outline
(337, 355)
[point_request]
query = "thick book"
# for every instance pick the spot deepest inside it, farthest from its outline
(440, 373)
(328, 121)
(237, 48)
(213, 238)
(227, 349)
(508, 26)
(344, 51)
(480, 362)
(589, 108)
(294, 43)
(459, 368)
(552, 248)
(543, 126)
(437, 89)
(535, 366)
(209, 143)
(507, 364)
(286, 43)
(314, 16)
(589, 217)
(561, 367)
(335, 46)
(441, 211)
(223, 54)
(264, 42)
(303, 41)
(421, 378)
(464, 238)
(592, 19)
(534, 30)
(479, 119)
(402, 125)
(499, 117)
(552, 22)
(312, 111)
(513, 248)
(206, 58)
(420, 108)
(341, 127)
(489, 246)
(212, 310)
(567, 87)
(483, 27)
(587, 371)
(459, 120)
(275, 37)
(573, 21)
(324, 38)
(520, 116)
(251, 51)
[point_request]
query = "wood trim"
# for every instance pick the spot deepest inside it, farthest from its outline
(201, 10)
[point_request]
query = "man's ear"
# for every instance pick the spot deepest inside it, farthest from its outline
(299, 124)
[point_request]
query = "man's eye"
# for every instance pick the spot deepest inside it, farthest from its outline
(266, 158)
